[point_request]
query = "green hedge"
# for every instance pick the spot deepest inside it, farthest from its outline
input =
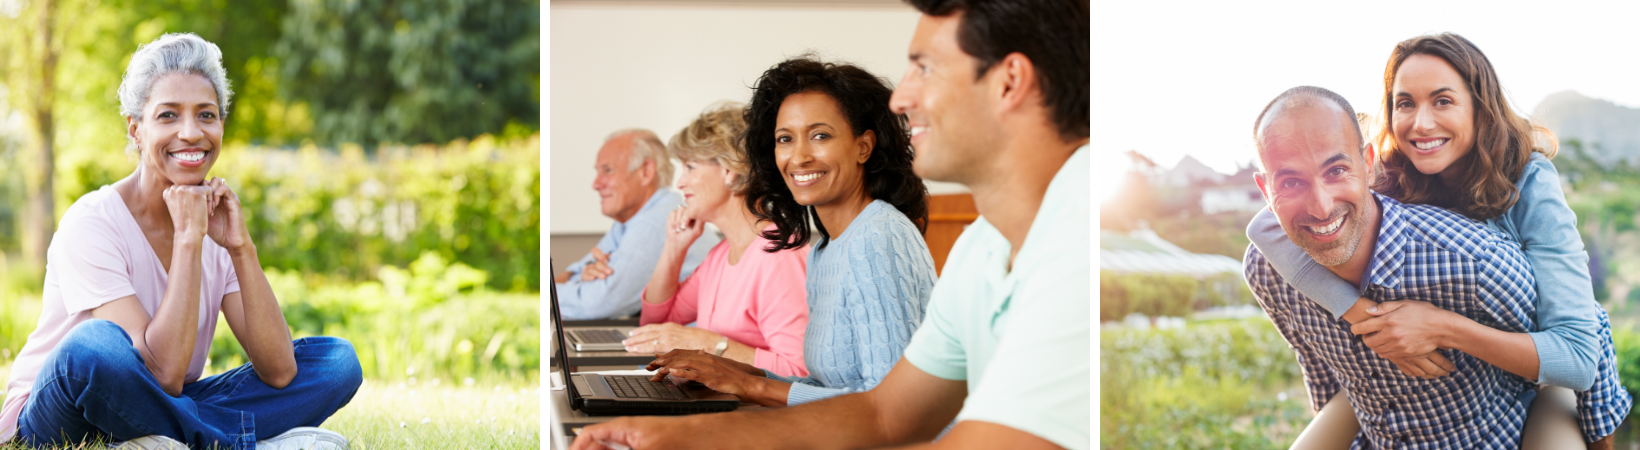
(1212, 385)
(1626, 344)
(433, 318)
(1167, 295)
(1209, 385)
(344, 213)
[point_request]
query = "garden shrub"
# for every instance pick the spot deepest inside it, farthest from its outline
(1215, 384)
(345, 212)
(1149, 294)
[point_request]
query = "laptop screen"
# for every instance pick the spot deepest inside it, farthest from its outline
(558, 342)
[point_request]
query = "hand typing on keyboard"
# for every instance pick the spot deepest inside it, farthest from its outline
(639, 386)
(684, 383)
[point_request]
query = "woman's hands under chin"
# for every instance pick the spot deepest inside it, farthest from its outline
(190, 209)
(227, 223)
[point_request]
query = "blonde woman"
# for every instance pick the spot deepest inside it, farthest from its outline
(749, 305)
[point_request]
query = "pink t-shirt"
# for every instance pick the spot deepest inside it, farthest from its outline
(99, 255)
(760, 301)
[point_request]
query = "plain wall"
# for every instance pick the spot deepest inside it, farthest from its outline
(659, 66)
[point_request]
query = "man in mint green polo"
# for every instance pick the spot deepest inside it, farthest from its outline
(997, 99)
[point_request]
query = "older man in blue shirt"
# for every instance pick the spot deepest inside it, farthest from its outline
(633, 170)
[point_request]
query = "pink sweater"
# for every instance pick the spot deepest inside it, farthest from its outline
(760, 301)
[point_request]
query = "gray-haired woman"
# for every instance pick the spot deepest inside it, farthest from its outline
(136, 276)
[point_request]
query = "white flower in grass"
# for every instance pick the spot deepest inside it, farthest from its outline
(492, 419)
(426, 420)
(468, 381)
(401, 424)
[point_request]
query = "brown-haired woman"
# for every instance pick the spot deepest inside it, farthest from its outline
(1449, 138)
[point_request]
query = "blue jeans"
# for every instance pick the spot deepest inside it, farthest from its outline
(94, 384)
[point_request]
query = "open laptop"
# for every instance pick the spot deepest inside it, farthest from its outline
(597, 339)
(627, 395)
(600, 339)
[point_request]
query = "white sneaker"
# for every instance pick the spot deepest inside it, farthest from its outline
(149, 442)
(304, 438)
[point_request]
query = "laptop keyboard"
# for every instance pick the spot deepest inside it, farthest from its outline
(640, 387)
(599, 336)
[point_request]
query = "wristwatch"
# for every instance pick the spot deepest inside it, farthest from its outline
(723, 344)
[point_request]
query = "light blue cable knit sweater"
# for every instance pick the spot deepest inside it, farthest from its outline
(868, 290)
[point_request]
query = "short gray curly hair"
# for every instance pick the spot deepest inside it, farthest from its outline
(171, 54)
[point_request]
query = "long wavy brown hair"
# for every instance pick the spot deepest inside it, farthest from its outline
(1503, 140)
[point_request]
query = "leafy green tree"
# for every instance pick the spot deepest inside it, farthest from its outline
(34, 47)
(412, 72)
(63, 64)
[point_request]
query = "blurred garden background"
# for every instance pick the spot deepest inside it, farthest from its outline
(388, 157)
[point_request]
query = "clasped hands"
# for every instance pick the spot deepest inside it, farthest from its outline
(1407, 333)
(209, 209)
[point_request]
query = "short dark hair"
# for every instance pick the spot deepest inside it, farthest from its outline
(1053, 34)
(863, 99)
(1292, 97)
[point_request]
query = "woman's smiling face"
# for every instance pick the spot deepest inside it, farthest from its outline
(815, 148)
(1433, 116)
(180, 132)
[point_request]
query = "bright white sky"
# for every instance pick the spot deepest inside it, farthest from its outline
(1188, 79)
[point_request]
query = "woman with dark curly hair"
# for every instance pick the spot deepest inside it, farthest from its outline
(823, 145)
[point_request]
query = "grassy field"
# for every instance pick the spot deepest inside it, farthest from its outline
(430, 414)
(438, 416)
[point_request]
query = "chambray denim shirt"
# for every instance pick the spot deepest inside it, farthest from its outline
(634, 247)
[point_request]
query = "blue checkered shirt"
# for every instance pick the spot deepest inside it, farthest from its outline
(1429, 254)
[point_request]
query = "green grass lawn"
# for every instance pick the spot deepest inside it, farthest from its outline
(431, 415)
(402, 416)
